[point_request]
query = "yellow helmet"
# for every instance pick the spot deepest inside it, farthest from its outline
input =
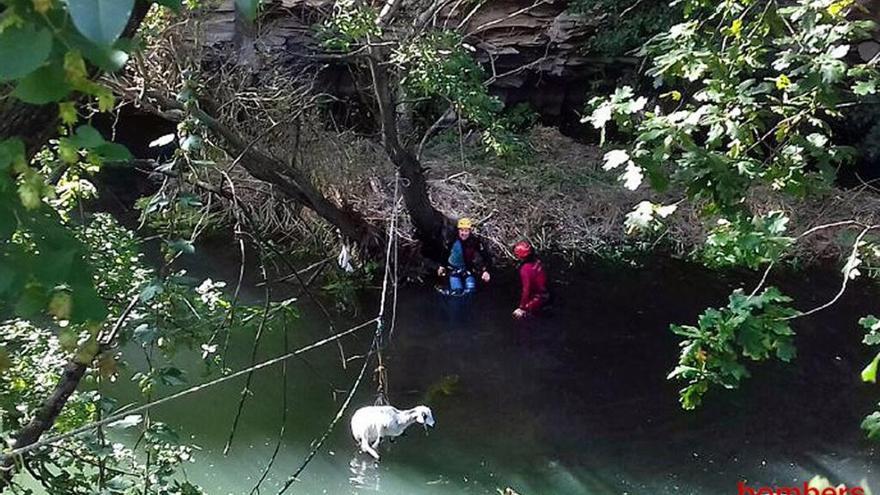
(465, 223)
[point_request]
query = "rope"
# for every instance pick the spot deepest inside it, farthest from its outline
(341, 412)
(375, 348)
(109, 419)
(381, 370)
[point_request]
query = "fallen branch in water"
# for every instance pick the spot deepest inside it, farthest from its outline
(847, 275)
(847, 270)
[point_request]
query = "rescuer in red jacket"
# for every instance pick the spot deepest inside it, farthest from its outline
(534, 281)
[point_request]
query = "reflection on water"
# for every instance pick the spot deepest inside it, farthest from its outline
(575, 403)
(365, 474)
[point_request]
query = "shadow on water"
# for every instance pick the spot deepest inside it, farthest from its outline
(576, 402)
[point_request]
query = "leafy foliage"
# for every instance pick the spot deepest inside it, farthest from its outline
(66, 277)
(745, 106)
(623, 26)
(871, 424)
(747, 243)
(748, 93)
(35, 355)
(45, 46)
(751, 326)
(438, 64)
(45, 266)
(350, 24)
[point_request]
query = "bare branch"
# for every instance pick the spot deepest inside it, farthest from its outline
(846, 275)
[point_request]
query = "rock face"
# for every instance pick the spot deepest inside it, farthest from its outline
(533, 51)
(870, 50)
(530, 48)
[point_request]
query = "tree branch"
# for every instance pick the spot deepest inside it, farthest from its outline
(48, 412)
(289, 179)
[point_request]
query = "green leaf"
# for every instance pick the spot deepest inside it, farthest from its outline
(101, 21)
(8, 221)
(864, 88)
(11, 151)
(5, 361)
(870, 322)
(752, 340)
(146, 334)
(87, 352)
(171, 376)
(87, 305)
(67, 339)
(872, 325)
(871, 424)
(151, 291)
(87, 137)
(44, 85)
(785, 350)
(832, 70)
(869, 374)
(248, 8)
(23, 49)
(32, 301)
(113, 152)
(107, 58)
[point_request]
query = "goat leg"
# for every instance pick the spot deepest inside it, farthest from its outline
(365, 447)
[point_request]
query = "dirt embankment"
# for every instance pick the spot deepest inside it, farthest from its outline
(559, 198)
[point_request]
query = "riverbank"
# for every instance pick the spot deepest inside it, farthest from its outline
(558, 197)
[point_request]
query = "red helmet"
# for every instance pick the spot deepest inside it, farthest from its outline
(522, 250)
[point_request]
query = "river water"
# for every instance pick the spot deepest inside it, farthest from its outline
(574, 403)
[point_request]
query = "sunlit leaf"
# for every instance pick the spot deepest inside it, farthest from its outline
(45, 85)
(864, 88)
(869, 374)
(871, 425)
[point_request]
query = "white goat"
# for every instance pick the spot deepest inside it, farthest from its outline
(369, 424)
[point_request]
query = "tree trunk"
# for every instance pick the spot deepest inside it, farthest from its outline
(294, 183)
(45, 417)
(32, 124)
(429, 223)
